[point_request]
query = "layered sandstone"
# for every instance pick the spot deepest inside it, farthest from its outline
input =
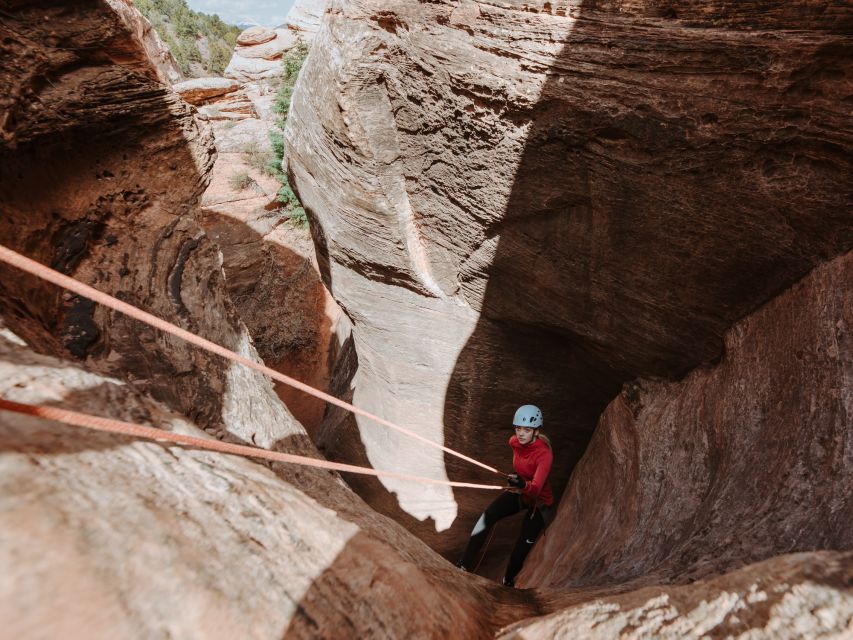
(806, 595)
(158, 53)
(736, 463)
(538, 202)
(105, 536)
(305, 16)
(197, 91)
(257, 55)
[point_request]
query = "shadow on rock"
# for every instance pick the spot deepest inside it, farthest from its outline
(650, 210)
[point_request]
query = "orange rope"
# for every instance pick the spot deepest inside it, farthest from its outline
(129, 429)
(45, 273)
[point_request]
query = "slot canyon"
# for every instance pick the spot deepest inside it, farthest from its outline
(635, 215)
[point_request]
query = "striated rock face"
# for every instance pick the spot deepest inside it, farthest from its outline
(538, 202)
(736, 463)
(158, 53)
(790, 597)
(104, 536)
(304, 17)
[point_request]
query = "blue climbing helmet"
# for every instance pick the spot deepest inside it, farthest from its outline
(528, 416)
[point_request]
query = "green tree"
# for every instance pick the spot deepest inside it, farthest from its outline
(180, 28)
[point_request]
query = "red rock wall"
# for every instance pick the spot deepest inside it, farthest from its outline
(102, 168)
(538, 202)
(738, 462)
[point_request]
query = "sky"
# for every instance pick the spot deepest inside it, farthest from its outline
(269, 13)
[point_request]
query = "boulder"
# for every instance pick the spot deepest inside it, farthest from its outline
(804, 595)
(255, 35)
(252, 69)
(198, 91)
(270, 50)
(235, 106)
(260, 61)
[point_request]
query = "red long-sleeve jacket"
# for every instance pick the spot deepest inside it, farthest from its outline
(533, 463)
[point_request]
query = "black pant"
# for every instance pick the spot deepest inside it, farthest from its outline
(504, 505)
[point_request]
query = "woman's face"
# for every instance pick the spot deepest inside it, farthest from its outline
(524, 434)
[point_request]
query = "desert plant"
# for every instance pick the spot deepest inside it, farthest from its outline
(240, 181)
(261, 159)
(292, 63)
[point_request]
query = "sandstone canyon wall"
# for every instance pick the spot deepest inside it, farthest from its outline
(102, 170)
(542, 201)
(757, 462)
(634, 213)
(738, 462)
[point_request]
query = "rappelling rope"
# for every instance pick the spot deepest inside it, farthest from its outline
(45, 273)
(129, 429)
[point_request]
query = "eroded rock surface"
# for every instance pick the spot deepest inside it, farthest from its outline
(197, 91)
(747, 459)
(104, 536)
(805, 595)
(537, 202)
(304, 17)
(158, 53)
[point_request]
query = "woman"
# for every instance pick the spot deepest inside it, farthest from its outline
(531, 460)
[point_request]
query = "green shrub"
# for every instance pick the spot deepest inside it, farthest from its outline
(298, 218)
(260, 159)
(240, 181)
(292, 62)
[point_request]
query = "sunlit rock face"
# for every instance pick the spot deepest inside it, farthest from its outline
(804, 595)
(537, 202)
(738, 462)
(105, 536)
(305, 17)
(158, 53)
(103, 167)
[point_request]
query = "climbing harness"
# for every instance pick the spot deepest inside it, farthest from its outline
(55, 277)
(130, 429)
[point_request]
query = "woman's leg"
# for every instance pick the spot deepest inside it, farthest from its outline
(530, 530)
(504, 505)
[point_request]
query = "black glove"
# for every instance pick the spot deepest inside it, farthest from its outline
(515, 480)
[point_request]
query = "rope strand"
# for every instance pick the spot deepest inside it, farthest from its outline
(50, 275)
(96, 423)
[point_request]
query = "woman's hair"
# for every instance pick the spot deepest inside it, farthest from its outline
(545, 439)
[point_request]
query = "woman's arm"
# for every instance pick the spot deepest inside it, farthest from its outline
(543, 468)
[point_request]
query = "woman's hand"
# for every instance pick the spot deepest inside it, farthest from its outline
(516, 481)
